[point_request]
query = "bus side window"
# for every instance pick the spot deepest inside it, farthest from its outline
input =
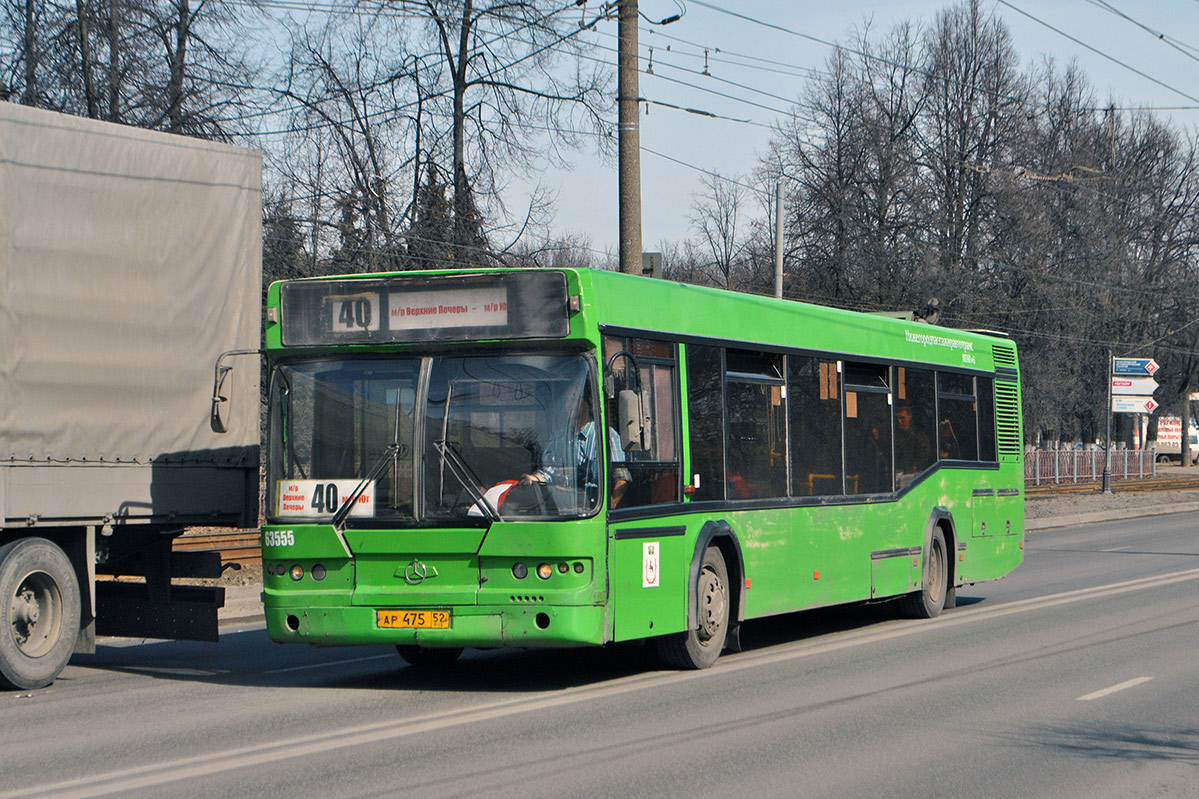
(813, 393)
(986, 420)
(705, 410)
(756, 444)
(915, 423)
(868, 434)
(652, 474)
(957, 423)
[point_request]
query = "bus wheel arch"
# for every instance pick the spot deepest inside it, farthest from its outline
(951, 548)
(938, 572)
(720, 535)
(716, 578)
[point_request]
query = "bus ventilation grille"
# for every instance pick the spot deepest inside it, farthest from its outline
(1004, 356)
(1007, 417)
(527, 600)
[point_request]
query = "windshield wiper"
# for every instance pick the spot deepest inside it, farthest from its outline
(469, 480)
(339, 518)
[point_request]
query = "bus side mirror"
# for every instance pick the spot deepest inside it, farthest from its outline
(634, 421)
(218, 417)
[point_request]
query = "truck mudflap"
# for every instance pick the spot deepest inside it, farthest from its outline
(155, 606)
(188, 613)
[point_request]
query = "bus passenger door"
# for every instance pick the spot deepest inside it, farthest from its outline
(648, 560)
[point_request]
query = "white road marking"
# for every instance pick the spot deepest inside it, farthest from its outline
(1116, 549)
(1115, 688)
(129, 780)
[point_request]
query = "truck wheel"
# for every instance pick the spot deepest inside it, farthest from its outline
(699, 648)
(39, 612)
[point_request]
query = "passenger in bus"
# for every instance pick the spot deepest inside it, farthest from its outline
(581, 469)
(949, 440)
(913, 450)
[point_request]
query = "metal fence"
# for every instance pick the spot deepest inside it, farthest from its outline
(1043, 467)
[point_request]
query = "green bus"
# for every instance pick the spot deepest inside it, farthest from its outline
(436, 481)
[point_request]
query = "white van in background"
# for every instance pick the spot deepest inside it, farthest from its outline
(1169, 440)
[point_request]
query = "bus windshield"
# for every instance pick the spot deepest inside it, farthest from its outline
(488, 437)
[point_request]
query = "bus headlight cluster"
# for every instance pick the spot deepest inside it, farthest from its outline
(296, 571)
(545, 570)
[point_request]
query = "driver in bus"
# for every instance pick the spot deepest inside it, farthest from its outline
(581, 468)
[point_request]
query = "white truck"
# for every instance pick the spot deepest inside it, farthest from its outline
(1169, 440)
(129, 262)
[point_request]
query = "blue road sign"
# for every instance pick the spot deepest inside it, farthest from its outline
(1134, 366)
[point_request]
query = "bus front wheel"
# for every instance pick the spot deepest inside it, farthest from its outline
(929, 601)
(39, 612)
(699, 648)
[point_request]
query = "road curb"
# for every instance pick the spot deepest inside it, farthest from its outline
(1115, 515)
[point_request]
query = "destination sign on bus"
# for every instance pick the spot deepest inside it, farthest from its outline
(322, 498)
(410, 309)
(482, 307)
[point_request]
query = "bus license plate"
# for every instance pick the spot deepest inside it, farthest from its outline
(408, 619)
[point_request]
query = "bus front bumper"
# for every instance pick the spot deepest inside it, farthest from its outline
(470, 626)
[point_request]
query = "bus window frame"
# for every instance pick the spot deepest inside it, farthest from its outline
(425, 357)
(624, 338)
(840, 358)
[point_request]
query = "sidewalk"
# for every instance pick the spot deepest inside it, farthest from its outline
(1109, 515)
(243, 605)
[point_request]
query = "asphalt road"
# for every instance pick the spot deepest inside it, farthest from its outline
(1077, 675)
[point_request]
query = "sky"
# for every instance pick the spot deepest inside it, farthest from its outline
(587, 193)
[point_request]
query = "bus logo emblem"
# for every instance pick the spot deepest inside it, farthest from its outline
(417, 572)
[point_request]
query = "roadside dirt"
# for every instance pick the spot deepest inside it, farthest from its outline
(1043, 506)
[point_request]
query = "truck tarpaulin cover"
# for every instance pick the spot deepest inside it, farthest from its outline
(129, 260)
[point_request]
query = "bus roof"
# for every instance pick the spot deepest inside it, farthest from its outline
(613, 300)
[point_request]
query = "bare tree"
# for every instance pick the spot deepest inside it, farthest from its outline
(348, 85)
(499, 69)
(723, 234)
(977, 95)
(176, 65)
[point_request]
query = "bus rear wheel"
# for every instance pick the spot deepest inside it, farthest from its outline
(39, 613)
(426, 658)
(699, 648)
(930, 600)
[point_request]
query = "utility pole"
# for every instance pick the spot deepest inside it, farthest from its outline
(778, 240)
(628, 92)
(1105, 484)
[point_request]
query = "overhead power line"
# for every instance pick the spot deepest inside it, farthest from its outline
(1096, 51)
(1186, 49)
